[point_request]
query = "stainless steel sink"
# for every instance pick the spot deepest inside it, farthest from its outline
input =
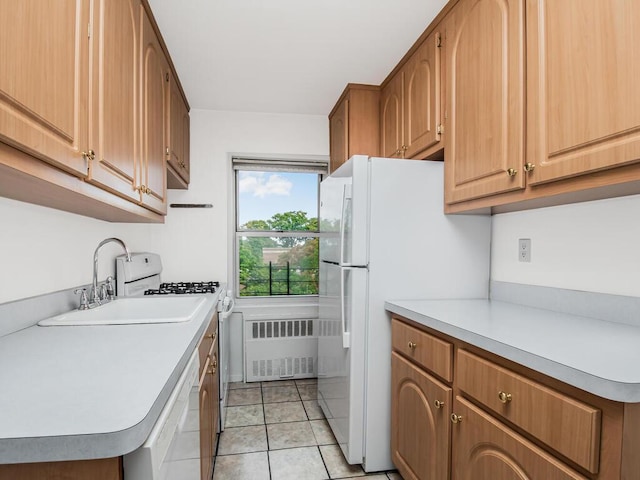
(130, 311)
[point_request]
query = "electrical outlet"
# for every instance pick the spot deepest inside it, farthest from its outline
(524, 249)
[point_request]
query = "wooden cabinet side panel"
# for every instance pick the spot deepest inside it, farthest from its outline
(103, 469)
(44, 80)
(485, 98)
(364, 117)
(485, 449)
(339, 135)
(420, 431)
(583, 65)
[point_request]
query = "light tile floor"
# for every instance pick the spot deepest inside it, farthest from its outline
(276, 431)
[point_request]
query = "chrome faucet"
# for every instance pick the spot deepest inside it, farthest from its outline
(95, 294)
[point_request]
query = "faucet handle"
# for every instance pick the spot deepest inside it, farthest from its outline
(109, 285)
(103, 293)
(84, 301)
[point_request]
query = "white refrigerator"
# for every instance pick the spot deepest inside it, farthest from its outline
(384, 236)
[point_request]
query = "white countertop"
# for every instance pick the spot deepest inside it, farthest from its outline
(70, 393)
(600, 357)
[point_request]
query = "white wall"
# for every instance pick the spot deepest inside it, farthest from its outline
(591, 246)
(44, 250)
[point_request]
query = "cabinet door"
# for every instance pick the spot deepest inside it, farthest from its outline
(485, 98)
(186, 139)
(114, 97)
(178, 131)
(154, 110)
(485, 449)
(422, 97)
(44, 80)
(206, 421)
(215, 407)
(583, 65)
(339, 135)
(420, 429)
(391, 100)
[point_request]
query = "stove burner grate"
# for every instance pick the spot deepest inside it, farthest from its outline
(184, 288)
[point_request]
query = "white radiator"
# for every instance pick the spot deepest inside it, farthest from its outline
(280, 348)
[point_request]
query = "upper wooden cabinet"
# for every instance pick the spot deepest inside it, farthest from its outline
(391, 117)
(154, 114)
(583, 106)
(353, 124)
(410, 104)
(43, 92)
(84, 108)
(485, 98)
(178, 151)
(582, 115)
(114, 128)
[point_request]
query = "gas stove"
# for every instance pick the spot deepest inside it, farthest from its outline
(183, 288)
(141, 276)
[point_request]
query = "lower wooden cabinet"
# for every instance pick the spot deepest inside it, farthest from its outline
(101, 469)
(209, 394)
(485, 449)
(206, 422)
(420, 410)
(493, 419)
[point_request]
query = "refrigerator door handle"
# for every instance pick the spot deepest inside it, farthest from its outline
(346, 336)
(346, 199)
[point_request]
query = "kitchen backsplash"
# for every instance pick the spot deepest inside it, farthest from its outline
(591, 246)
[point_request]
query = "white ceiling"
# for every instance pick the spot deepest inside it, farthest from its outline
(286, 56)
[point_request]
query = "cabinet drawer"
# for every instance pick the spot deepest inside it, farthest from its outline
(570, 427)
(485, 449)
(426, 350)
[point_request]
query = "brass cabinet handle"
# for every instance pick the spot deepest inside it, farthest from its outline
(412, 346)
(511, 172)
(438, 404)
(89, 155)
(504, 397)
(528, 167)
(456, 418)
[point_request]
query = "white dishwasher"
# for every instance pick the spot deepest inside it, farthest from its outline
(172, 451)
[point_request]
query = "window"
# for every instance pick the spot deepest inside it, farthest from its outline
(277, 206)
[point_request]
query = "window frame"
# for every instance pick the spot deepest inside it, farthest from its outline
(298, 164)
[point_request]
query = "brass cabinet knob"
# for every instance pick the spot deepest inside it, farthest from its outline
(456, 418)
(528, 167)
(438, 404)
(504, 397)
(512, 172)
(412, 346)
(89, 155)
